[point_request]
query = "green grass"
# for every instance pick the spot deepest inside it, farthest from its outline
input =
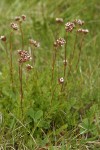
(64, 120)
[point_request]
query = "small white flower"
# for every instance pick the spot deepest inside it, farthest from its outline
(61, 80)
(3, 38)
(59, 20)
(35, 43)
(65, 62)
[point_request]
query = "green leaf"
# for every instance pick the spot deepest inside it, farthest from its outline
(38, 115)
(31, 113)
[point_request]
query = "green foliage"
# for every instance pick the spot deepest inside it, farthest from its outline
(50, 118)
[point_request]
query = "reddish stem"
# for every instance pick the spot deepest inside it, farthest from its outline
(65, 56)
(11, 63)
(21, 87)
(72, 56)
(53, 64)
(80, 51)
(22, 36)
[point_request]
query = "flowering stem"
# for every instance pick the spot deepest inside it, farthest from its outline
(72, 56)
(61, 88)
(57, 30)
(54, 90)
(65, 56)
(58, 64)
(21, 35)
(6, 49)
(65, 59)
(21, 87)
(33, 56)
(80, 51)
(53, 64)
(53, 68)
(11, 63)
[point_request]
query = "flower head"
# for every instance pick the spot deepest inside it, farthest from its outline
(29, 67)
(17, 18)
(59, 42)
(85, 31)
(24, 56)
(3, 38)
(78, 22)
(14, 26)
(59, 20)
(69, 26)
(61, 80)
(65, 62)
(20, 18)
(23, 17)
(35, 43)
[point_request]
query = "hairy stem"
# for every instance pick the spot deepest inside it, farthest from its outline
(72, 55)
(33, 55)
(53, 65)
(53, 69)
(6, 49)
(65, 59)
(11, 63)
(80, 51)
(21, 87)
(65, 56)
(22, 36)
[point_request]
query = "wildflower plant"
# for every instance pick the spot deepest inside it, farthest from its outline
(24, 56)
(44, 90)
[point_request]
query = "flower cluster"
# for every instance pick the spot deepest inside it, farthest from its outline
(17, 18)
(24, 56)
(59, 20)
(14, 26)
(20, 18)
(3, 38)
(78, 22)
(85, 31)
(23, 17)
(69, 26)
(34, 43)
(59, 42)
